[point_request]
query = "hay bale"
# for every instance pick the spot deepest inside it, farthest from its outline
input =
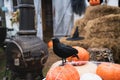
(101, 28)
(104, 27)
(93, 12)
(112, 44)
(83, 43)
(81, 23)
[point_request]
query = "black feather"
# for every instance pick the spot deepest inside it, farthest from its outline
(63, 50)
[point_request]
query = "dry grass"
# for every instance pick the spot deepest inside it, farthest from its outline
(104, 27)
(101, 28)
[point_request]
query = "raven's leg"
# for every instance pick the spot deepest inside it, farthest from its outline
(63, 61)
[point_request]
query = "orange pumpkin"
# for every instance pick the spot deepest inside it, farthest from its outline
(66, 72)
(94, 2)
(109, 71)
(50, 44)
(82, 53)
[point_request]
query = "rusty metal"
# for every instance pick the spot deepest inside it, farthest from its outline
(26, 53)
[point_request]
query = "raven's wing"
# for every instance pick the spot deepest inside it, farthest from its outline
(68, 49)
(73, 51)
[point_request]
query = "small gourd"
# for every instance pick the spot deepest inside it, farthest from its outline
(50, 44)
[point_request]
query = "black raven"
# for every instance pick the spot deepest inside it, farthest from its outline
(63, 50)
